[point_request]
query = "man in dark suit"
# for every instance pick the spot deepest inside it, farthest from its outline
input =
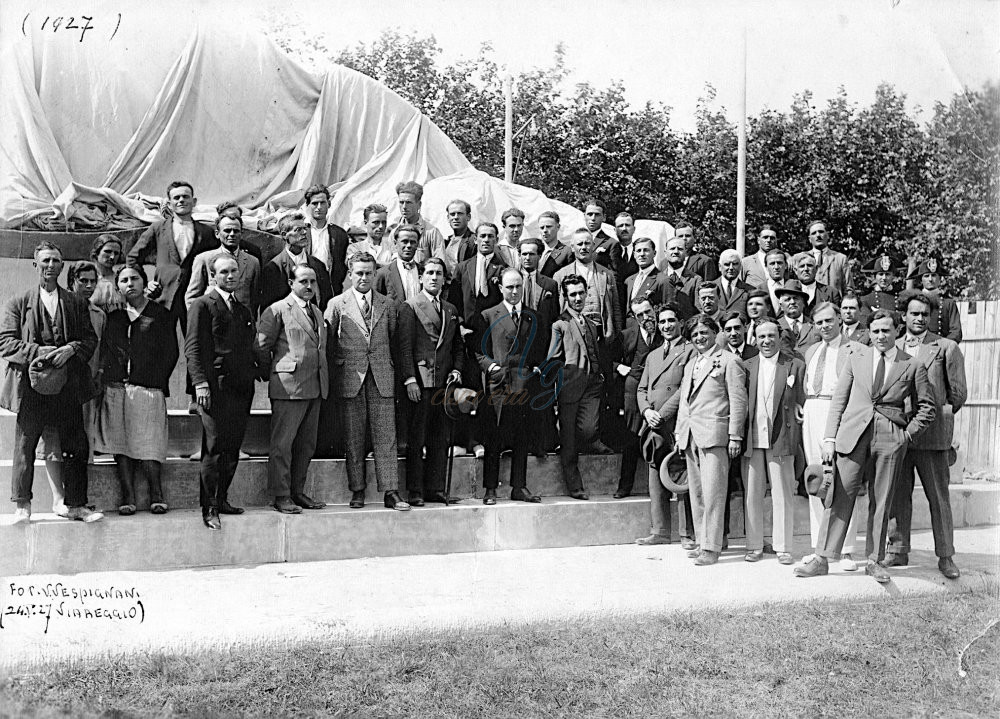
(776, 265)
(400, 279)
(606, 248)
(541, 295)
(555, 255)
(816, 292)
(172, 244)
(575, 350)
(218, 347)
(623, 262)
(928, 455)
(291, 354)
(277, 275)
(868, 429)
(945, 319)
(734, 336)
(775, 396)
(850, 313)
(679, 273)
(758, 311)
(638, 340)
(460, 245)
(797, 332)
(699, 264)
(361, 325)
(708, 301)
(328, 242)
(733, 292)
(431, 355)
(647, 282)
(48, 328)
(509, 358)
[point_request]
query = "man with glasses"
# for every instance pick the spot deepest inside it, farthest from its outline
(278, 274)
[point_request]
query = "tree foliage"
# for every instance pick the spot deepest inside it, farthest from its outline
(883, 180)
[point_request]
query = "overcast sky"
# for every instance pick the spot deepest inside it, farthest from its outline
(666, 51)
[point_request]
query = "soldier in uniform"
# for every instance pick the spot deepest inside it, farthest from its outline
(945, 320)
(882, 295)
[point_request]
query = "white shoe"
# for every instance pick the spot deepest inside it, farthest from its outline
(847, 564)
(60, 509)
(84, 514)
(22, 515)
(808, 558)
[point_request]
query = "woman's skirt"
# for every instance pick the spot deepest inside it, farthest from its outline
(132, 420)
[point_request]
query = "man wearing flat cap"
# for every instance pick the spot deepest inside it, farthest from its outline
(945, 319)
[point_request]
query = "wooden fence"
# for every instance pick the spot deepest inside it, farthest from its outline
(977, 426)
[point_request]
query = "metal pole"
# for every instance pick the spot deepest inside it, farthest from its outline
(741, 166)
(508, 128)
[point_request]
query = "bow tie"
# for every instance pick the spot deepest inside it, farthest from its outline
(409, 265)
(912, 341)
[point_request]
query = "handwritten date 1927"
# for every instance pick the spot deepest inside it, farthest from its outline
(65, 23)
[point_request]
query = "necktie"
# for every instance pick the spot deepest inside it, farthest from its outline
(795, 327)
(820, 370)
(366, 309)
(437, 308)
(514, 315)
(482, 277)
(726, 292)
(879, 373)
(675, 279)
(751, 334)
(408, 266)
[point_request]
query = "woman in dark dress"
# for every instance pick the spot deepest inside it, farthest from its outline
(140, 354)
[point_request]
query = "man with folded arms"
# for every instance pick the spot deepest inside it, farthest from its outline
(868, 431)
(291, 355)
(928, 455)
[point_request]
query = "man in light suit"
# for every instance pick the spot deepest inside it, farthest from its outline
(48, 326)
(638, 341)
(291, 355)
(229, 231)
(219, 349)
(361, 326)
(754, 267)
(173, 242)
(601, 302)
(575, 351)
(867, 431)
(825, 361)
(431, 355)
(928, 455)
(508, 354)
(711, 411)
(775, 396)
(277, 275)
(833, 269)
(660, 380)
(733, 292)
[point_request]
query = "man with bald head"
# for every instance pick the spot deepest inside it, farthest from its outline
(684, 281)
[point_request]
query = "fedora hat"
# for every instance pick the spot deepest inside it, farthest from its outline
(458, 400)
(791, 287)
(673, 472)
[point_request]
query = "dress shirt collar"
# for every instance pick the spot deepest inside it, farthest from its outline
(300, 302)
(771, 361)
(835, 342)
(431, 298)
(358, 296)
(402, 269)
(299, 259)
(512, 308)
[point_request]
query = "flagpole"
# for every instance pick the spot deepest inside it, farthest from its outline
(741, 166)
(508, 128)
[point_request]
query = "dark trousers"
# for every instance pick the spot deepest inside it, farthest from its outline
(330, 435)
(293, 441)
(630, 460)
(222, 430)
(578, 426)
(510, 431)
(933, 468)
(882, 446)
(429, 427)
(66, 414)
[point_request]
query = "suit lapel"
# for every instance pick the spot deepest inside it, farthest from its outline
(424, 311)
(706, 368)
(378, 308)
(397, 280)
(753, 366)
(894, 373)
(780, 378)
(299, 315)
(354, 312)
(168, 233)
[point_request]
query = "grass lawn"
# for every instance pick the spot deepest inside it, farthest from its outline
(894, 657)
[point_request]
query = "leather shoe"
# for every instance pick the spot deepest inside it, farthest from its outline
(307, 502)
(599, 447)
(579, 495)
(357, 500)
(816, 567)
(896, 560)
(286, 506)
(394, 501)
(416, 501)
(620, 495)
(210, 517)
(753, 555)
(948, 568)
(523, 495)
(490, 497)
(877, 572)
(227, 508)
(652, 539)
(706, 557)
(694, 552)
(688, 543)
(442, 498)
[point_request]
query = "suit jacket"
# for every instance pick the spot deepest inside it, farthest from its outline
(946, 320)
(854, 403)
(568, 352)
(622, 268)
(747, 352)
(796, 344)
(788, 395)
(338, 240)
(466, 246)
(389, 282)
(544, 300)
(655, 287)
(559, 258)
(945, 367)
(20, 337)
(156, 245)
(513, 346)
(860, 335)
(429, 347)
(291, 351)
(824, 293)
(661, 378)
(634, 351)
(844, 351)
(276, 274)
(355, 350)
(462, 290)
(219, 345)
(702, 266)
(685, 293)
(611, 312)
(737, 301)
(755, 274)
(711, 405)
(834, 271)
(248, 268)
